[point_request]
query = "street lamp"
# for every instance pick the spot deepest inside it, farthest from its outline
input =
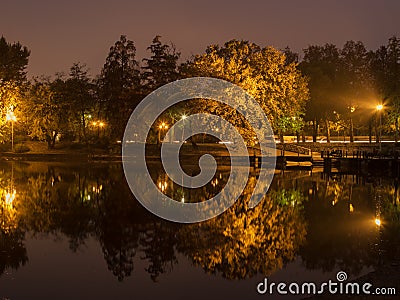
(379, 108)
(352, 110)
(11, 117)
(162, 126)
(98, 124)
(183, 126)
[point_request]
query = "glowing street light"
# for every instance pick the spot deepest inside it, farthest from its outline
(10, 196)
(98, 124)
(12, 118)
(162, 126)
(378, 222)
(183, 125)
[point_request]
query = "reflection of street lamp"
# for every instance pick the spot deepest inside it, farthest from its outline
(11, 192)
(11, 117)
(379, 108)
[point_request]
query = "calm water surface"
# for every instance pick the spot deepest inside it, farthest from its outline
(72, 231)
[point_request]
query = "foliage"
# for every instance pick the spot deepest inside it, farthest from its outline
(385, 68)
(80, 95)
(330, 88)
(279, 88)
(21, 148)
(13, 61)
(340, 82)
(47, 111)
(118, 86)
(12, 96)
(162, 66)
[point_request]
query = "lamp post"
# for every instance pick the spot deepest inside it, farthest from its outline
(352, 110)
(183, 126)
(11, 117)
(379, 108)
(162, 126)
(98, 124)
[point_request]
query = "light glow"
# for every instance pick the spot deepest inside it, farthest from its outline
(10, 116)
(10, 198)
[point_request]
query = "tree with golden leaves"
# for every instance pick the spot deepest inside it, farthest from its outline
(278, 87)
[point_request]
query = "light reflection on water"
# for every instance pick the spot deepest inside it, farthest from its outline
(86, 214)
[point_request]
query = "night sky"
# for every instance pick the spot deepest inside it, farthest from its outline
(60, 33)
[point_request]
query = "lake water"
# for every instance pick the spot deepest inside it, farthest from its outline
(74, 231)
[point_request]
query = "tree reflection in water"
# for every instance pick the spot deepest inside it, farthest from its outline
(327, 221)
(243, 242)
(12, 250)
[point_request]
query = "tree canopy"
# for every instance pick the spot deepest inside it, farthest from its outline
(13, 61)
(279, 88)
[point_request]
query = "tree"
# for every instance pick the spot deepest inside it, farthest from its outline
(12, 96)
(13, 61)
(81, 98)
(354, 80)
(321, 65)
(291, 57)
(161, 67)
(47, 111)
(279, 88)
(385, 67)
(119, 86)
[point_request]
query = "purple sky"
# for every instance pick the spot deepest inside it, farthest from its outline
(60, 33)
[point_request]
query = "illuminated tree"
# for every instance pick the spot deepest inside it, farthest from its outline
(278, 87)
(47, 111)
(12, 98)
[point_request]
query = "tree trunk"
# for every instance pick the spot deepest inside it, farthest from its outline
(396, 132)
(48, 140)
(315, 130)
(303, 136)
(281, 138)
(370, 131)
(83, 126)
(351, 130)
(376, 131)
(53, 140)
(328, 131)
(193, 143)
